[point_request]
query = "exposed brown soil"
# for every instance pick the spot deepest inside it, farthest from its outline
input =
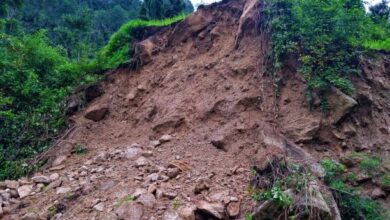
(203, 82)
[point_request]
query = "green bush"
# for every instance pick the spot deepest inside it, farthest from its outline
(351, 205)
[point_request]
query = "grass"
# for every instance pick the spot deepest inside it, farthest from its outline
(369, 164)
(385, 180)
(378, 45)
(118, 49)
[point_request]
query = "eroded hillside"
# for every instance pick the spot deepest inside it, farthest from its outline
(175, 136)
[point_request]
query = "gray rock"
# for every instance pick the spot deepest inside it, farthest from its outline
(215, 209)
(171, 215)
(54, 184)
(187, 212)
(378, 193)
(25, 191)
(96, 112)
(138, 192)
(340, 104)
(155, 143)
(132, 153)
(30, 216)
(233, 209)
(12, 184)
(147, 200)
(41, 179)
(63, 190)
(141, 162)
(173, 172)
(201, 185)
(165, 138)
(59, 160)
(54, 176)
(130, 211)
(218, 141)
(99, 207)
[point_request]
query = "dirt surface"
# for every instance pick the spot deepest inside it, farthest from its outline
(201, 82)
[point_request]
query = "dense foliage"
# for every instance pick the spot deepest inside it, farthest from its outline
(160, 9)
(35, 77)
(47, 48)
(327, 36)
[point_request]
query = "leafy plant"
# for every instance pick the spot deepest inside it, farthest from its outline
(79, 149)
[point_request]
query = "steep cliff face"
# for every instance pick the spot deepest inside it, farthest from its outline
(179, 131)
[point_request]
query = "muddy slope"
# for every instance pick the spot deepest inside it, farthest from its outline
(186, 125)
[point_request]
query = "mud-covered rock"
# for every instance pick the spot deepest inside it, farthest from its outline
(96, 112)
(340, 104)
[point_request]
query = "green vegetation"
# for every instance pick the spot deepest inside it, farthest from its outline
(119, 48)
(351, 205)
(369, 164)
(385, 180)
(79, 149)
(327, 36)
(160, 9)
(248, 216)
(48, 48)
(35, 79)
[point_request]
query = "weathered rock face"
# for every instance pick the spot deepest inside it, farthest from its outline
(97, 112)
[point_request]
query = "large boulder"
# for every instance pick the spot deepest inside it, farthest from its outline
(216, 209)
(96, 112)
(340, 104)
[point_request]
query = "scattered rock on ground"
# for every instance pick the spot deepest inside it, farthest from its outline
(25, 191)
(378, 193)
(41, 179)
(201, 185)
(130, 211)
(147, 200)
(233, 209)
(215, 209)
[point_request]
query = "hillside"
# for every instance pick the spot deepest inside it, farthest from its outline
(193, 125)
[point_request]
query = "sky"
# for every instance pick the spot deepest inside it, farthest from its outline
(197, 2)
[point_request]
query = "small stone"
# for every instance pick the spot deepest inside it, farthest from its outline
(218, 142)
(152, 177)
(138, 192)
(11, 184)
(41, 179)
(25, 191)
(378, 193)
(201, 185)
(147, 153)
(63, 190)
(233, 209)
(14, 193)
(165, 138)
(147, 200)
(132, 153)
(99, 207)
(30, 216)
(171, 215)
(54, 176)
(155, 143)
(159, 194)
(173, 172)
(169, 195)
(54, 184)
(141, 162)
(152, 189)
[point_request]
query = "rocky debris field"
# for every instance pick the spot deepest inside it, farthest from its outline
(178, 137)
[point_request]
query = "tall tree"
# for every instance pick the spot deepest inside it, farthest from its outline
(159, 9)
(381, 12)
